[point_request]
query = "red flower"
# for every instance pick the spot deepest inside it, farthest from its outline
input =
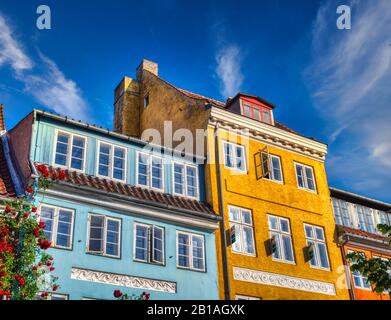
(51, 259)
(51, 269)
(55, 288)
(118, 294)
(40, 264)
(61, 174)
(29, 190)
(3, 274)
(42, 225)
(20, 280)
(1, 283)
(35, 268)
(44, 294)
(48, 264)
(54, 175)
(46, 174)
(34, 209)
(44, 245)
(7, 209)
(145, 296)
(4, 232)
(36, 232)
(26, 215)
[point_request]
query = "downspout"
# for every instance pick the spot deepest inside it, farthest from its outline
(227, 290)
(13, 173)
(349, 277)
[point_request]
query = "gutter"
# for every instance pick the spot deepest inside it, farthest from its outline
(13, 173)
(227, 291)
(349, 276)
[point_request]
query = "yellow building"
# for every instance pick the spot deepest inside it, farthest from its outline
(268, 183)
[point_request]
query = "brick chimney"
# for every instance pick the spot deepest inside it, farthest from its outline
(2, 122)
(148, 66)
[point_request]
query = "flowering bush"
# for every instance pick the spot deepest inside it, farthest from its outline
(120, 296)
(25, 267)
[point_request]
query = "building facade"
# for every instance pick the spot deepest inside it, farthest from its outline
(267, 182)
(129, 215)
(357, 218)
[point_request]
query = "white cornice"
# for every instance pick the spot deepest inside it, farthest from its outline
(269, 134)
(284, 281)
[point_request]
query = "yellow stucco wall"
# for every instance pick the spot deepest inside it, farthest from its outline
(286, 200)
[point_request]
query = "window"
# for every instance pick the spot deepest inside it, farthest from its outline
(111, 161)
(280, 234)
(271, 167)
(190, 251)
(257, 113)
(59, 225)
(185, 180)
(70, 151)
(305, 177)
(150, 171)
(341, 213)
(104, 235)
(365, 219)
(234, 156)
(146, 101)
(241, 220)
(149, 243)
(240, 297)
(316, 240)
(359, 280)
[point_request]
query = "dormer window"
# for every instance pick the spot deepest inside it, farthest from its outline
(257, 112)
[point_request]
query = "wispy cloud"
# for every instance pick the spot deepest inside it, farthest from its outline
(228, 70)
(11, 51)
(350, 78)
(42, 79)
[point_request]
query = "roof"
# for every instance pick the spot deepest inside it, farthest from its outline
(2, 122)
(358, 199)
(241, 94)
(115, 187)
(363, 234)
(6, 185)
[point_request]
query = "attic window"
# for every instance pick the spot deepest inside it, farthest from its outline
(257, 113)
(146, 101)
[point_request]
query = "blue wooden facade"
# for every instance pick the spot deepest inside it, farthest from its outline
(144, 244)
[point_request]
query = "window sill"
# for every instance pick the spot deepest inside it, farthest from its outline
(275, 181)
(308, 190)
(320, 268)
(244, 254)
(189, 269)
(150, 263)
(103, 255)
(284, 261)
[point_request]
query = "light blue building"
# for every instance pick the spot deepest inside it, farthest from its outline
(128, 216)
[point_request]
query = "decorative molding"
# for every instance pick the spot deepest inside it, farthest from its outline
(269, 134)
(123, 280)
(284, 281)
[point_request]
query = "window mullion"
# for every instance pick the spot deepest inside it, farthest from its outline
(104, 235)
(69, 151)
(55, 226)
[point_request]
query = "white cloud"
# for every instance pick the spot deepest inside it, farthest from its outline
(228, 70)
(350, 81)
(11, 51)
(46, 83)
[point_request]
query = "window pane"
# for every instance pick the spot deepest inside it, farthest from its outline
(183, 250)
(240, 163)
(141, 243)
(96, 233)
(246, 217)
(198, 252)
(158, 244)
(266, 116)
(119, 164)
(257, 114)
(299, 173)
(47, 216)
(61, 149)
(286, 240)
(361, 220)
(310, 178)
(277, 175)
(319, 234)
(277, 252)
(323, 255)
(247, 110)
(157, 173)
(314, 260)
(143, 173)
(369, 219)
(234, 214)
(228, 155)
(309, 232)
(273, 223)
(237, 245)
(191, 181)
(64, 229)
(337, 214)
(77, 153)
(248, 240)
(178, 178)
(345, 214)
(284, 225)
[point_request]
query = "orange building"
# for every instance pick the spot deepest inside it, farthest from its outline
(357, 218)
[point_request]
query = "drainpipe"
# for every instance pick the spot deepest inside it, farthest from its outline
(349, 277)
(227, 290)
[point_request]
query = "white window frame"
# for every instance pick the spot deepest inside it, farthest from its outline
(191, 267)
(280, 233)
(359, 276)
(111, 160)
(271, 171)
(296, 164)
(55, 225)
(340, 212)
(316, 251)
(103, 253)
(69, 150)
(149, 172)
(49, 297)
(241, 224)
(150, 244)
(185, 166)
(235, 146)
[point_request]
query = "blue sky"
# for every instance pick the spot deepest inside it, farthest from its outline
(327, 83)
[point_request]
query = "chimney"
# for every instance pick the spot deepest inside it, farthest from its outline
(2, 122)
(147, 65)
